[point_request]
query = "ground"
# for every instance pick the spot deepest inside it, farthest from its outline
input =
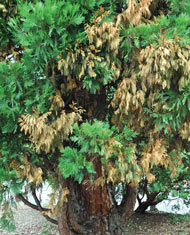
(30, 222)
(158, 223)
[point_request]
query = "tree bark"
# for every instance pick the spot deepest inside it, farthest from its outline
(129, 202)
(143, 206)
(90, 210)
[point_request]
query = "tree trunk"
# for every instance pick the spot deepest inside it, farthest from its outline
(92, 211)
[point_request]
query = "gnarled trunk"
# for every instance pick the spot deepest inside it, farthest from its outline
(92, 211)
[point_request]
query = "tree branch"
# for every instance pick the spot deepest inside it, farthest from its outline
(26, 202)
(128, 203)
(139, 199)
(40, 208)
(149, 202)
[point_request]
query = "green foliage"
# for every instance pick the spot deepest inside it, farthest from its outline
(141, 35)
(59, 26)
(54, 33)
(177, 108)
(127, 135)
(16, 94)
(92, 139)
(175, 218)
(103, 76)
(7, 222)
(47, 229)
(41, 42)
(11, 92)
(11, 185)
(73, 163)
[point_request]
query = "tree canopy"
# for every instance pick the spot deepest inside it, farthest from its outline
(93, 94)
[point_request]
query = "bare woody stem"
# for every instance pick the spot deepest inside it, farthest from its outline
(40, 208)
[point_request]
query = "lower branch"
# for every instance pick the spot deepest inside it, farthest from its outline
(149, 202)
(26, 202)
(41, 208)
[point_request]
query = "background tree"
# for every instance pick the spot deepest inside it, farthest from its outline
(164, 187)
(92, 94)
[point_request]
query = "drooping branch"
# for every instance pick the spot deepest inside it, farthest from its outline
(26, 202)
(41, 208)
(36, 199)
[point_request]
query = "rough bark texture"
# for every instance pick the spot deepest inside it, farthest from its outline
(76, 219)
(90, 210)
(129, 202)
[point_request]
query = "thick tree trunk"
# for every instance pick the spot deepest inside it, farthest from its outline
(91, 210)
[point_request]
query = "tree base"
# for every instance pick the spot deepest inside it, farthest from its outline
(78, 217)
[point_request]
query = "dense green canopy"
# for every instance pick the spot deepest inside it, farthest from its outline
(93, 93)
